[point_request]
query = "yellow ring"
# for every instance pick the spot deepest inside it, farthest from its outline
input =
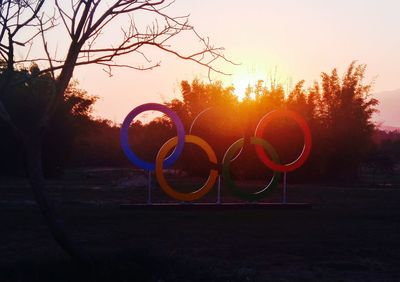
(162, 153)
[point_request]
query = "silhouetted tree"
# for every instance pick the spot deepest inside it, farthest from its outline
(212, 109)
(337, 110)
(346, 109)
(84, 24)
(25, 106)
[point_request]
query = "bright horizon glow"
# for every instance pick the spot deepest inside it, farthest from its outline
(250, 77)
(241, 86)
(299, 38)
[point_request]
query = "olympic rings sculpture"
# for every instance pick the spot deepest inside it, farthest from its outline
(265, 152)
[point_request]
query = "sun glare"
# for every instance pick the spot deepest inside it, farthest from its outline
(240, 88)
(243, 80)
(242, 83)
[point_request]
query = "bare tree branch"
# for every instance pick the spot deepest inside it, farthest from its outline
(85, 23)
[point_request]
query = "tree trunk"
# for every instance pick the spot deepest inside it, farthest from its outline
(33, 146)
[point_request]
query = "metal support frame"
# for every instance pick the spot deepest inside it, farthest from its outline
(149, 202)
(284, 197)
(219, 190)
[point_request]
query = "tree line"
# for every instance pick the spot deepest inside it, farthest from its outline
(337, 109)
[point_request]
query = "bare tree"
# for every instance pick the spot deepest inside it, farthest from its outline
(86, 23)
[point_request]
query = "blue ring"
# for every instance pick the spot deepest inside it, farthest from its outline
(124, 136)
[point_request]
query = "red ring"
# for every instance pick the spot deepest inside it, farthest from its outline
(307, 140)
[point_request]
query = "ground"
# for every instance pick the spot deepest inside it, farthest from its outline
(350, 234)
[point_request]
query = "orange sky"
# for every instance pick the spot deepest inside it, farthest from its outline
(298, 39)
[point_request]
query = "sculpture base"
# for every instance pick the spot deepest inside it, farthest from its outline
(214, 206)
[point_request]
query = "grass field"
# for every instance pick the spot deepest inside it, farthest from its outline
(350, 234)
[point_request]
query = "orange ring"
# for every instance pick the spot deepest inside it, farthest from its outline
(162, 153)
(307, 140)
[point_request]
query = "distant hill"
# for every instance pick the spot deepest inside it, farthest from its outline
(389, 108)
(389, 128)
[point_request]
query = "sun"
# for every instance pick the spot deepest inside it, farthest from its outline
(247, 75)
(240, 87)
(252, 75)
(242, 83)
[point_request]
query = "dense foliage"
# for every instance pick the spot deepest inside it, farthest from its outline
(26, 103)
(338, 111)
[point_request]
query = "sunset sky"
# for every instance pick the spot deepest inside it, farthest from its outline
(294, 39)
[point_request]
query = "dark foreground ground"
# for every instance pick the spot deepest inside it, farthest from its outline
(350, 234)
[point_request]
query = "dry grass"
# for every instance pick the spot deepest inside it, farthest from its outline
(349, 235)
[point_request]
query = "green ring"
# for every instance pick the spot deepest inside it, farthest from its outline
(230, 153)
